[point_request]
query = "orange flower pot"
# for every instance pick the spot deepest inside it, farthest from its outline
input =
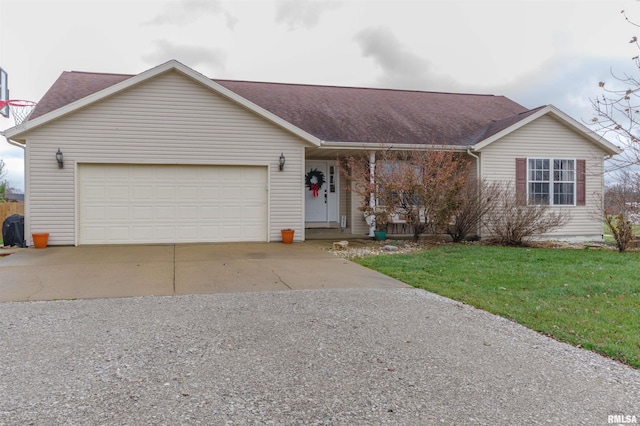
(40, 239)
(287, 235)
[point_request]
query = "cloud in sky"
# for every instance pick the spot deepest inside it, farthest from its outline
(568, 82)
(196, 56)
(401, 68)
(302, 13)
(185, 12)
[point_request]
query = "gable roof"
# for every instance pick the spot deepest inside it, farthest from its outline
(346, 115)
(65, 96)
(501, 128)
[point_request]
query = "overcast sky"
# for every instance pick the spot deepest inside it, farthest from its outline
(535, 52)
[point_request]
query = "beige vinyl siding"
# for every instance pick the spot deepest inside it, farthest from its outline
(358, 224)
(169, 119)
(548, 138)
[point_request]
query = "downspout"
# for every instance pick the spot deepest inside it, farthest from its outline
(477, 163)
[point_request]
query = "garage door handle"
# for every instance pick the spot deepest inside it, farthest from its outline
(325, 197)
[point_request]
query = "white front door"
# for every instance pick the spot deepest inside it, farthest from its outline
(321, 192)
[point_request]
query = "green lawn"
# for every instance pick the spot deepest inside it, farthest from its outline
(588, 298)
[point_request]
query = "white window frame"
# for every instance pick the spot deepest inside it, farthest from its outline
(552, 182)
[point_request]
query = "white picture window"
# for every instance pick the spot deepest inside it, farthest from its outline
(551, 181)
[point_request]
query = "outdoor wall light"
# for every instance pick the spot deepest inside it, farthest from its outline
(59, 159)
(282, 159)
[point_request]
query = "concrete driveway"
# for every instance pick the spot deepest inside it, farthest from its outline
(88, 272)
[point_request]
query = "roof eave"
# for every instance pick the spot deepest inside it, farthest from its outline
(607, 146)
(167, 66)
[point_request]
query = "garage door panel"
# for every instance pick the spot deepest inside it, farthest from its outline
(167, 233)
(118, 213)
(251, 212)
(164, 192)
(142, 192)
(95, 192)
(168, 203)
(94, 213)
(209, 192)
(231, 192)
(210, 232)
(95, 233)
(115, 234)
(187, 232)
(187, 193)
(164, 213)
(140, 213)
(251, 231)
(207, 213)
(116, 192)
(187, 212)
(142, 233)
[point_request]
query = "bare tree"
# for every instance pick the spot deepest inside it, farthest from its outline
(622, 208)
(476, 200)
(621, 228)
(617, 109)
(422, 185)
(623, 196)
(511, 221)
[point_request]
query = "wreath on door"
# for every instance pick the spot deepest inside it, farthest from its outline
(314, 180)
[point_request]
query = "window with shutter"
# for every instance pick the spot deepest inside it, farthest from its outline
(551, 181)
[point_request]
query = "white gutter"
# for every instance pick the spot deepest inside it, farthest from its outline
(14, 143)
(10, 142)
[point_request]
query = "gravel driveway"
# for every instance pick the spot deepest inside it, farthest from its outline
(338, 356)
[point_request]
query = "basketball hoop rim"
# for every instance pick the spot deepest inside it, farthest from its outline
(17, 103)
(20, 109)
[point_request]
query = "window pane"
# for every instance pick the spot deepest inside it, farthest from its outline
(538, 169)
(563, 193)
(538, 193)
(563, 170)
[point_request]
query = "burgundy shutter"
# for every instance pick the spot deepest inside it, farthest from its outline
(521, 179)
(581, 186)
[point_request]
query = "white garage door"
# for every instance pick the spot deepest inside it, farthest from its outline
(120, 204)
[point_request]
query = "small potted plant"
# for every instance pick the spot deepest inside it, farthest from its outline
(382, 222)
(40, 239)
(287, 235)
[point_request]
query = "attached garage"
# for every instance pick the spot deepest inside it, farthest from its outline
(133, 203)
(167, 156)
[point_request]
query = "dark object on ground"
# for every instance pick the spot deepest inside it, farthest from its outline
(13, 231)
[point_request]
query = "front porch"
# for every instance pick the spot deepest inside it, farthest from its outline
(339, 234)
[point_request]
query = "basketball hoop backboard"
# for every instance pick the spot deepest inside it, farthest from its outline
(4, 92)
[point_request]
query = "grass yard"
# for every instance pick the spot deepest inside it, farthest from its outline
(588, 298)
